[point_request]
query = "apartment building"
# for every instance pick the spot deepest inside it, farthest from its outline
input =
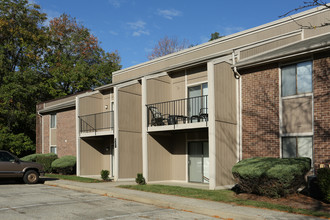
(56, 126)
(190, 116)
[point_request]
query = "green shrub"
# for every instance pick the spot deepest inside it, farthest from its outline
(273, 177)
(65, 165)
(46, 160)
(30, 158)
(323, 182)
(140, 179)
(105, 174)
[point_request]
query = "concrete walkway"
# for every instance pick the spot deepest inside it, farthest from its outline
(209, 208)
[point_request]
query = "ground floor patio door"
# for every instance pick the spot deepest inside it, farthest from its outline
(198, 161)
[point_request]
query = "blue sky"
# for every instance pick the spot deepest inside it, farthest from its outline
(133, 27)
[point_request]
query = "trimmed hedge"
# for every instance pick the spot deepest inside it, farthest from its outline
(65, 165)
(44, 159)
(323, 182)
(30, 158)
(273, 177)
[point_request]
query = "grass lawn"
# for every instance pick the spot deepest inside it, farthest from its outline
(227, 196)
(73, 178)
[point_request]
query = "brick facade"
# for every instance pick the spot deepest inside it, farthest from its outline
(46, 125)
(39, 130)
(66, 133)
(321, 84)
(260, 112)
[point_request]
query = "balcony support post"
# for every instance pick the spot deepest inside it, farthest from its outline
(211, 124)
(144, 130)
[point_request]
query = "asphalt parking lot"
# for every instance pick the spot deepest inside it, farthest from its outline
(21, 201)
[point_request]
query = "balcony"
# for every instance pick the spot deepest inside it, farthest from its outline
(96, 124)
(178, 114)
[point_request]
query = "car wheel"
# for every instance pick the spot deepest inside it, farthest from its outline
(31, 177)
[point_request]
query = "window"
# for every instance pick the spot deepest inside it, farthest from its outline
(53, 149)
(5, 157)
(297, 147)
(197, 99)
(297, 79)
(53, 121)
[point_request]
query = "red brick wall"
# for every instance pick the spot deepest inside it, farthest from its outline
(260, 112)
(39, 130)
(66, 133)
(321, 84)
(46, 119)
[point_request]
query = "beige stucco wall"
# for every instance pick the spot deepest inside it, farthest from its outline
(159, 157)
(95, 155)
(167, 154)
(130, 134)
(159, 89)
(225, 123)
(91, 104)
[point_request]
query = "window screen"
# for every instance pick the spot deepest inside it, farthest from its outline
(297, 147)
(297, 79)
(53, 121)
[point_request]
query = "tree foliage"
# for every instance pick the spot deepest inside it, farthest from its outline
(215, 36)
(22, 43)
(38, 63)
(74, 59)
(168, 45)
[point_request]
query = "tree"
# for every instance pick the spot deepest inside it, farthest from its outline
(38, 63)
(74, 60)
(309, 4)
(168, 45)
(215, 36)
(22, 43)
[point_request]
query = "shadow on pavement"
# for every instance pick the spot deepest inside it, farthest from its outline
(11, 181)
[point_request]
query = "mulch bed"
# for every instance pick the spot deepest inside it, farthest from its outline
(294, 201)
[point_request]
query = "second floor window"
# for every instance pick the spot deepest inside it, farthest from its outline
(297, 79)
(53, 121)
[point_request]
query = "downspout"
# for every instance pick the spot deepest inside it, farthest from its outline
(236, 73)
(238, 77)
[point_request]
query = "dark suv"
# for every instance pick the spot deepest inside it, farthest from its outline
(12, 167)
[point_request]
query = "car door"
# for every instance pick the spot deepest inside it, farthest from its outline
(9, 165)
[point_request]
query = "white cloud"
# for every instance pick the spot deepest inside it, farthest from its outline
(139, 28)
(137, 25)
(115, 3)
(113, 33)
(140, 32)
(169, 13)
(232, 30)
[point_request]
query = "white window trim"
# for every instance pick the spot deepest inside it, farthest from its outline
(281, 134)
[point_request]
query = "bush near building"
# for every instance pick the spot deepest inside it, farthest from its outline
(65, 165)
(323, 182)
(272, 177)
(44, 159)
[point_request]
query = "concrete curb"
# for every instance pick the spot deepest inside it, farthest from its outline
(160, 203)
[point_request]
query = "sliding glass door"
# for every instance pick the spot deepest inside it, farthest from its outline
(198, 161)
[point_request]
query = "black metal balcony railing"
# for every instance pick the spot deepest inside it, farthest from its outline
(97, 122)
(181, 111)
